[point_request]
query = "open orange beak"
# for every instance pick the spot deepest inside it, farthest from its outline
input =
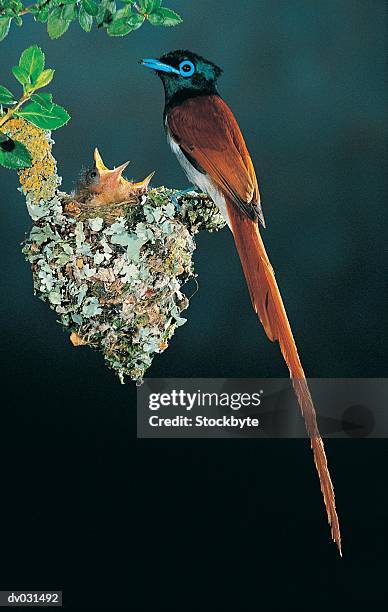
(142, 186)
(98, 161)
(108, 179)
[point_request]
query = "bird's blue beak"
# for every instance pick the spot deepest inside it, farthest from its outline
(159, 66)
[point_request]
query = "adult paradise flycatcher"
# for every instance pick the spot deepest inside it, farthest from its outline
(204, 135)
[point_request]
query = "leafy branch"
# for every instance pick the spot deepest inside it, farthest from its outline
(59, 14)
(40, 110)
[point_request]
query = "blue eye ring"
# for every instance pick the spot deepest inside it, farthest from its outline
(186, 68)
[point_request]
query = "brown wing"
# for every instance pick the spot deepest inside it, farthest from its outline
(207, 132)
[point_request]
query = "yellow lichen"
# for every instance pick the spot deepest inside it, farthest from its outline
(40, 180)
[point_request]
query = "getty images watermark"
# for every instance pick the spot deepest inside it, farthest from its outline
(192, 408)
(185, 400)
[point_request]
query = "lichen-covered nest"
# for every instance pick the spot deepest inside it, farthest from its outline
(114, 275)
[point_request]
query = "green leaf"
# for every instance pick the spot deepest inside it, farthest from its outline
(5, 22)
(136, 20)
(90, 7)
(56, 25)
(45, 100)
(69, 12)
(43, 14)
(44, 78)
(148, 6)
(21, 75)
(164, 17)
(106, 10)
(119, 27)
(43, 118)
(32, 61)
(52, 3)
(6, 97)
(125, 12)
(85, 20)
(14, 155)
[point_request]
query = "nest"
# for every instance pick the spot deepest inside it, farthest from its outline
(114, 274)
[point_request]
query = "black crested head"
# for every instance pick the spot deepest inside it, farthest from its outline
(202, 67)
(185, 74)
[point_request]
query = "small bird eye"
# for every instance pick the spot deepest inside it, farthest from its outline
(93, 174)
(186, 68)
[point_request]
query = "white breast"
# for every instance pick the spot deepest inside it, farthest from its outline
(202, 181)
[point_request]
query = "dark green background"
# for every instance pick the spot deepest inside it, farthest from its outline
(223, 524)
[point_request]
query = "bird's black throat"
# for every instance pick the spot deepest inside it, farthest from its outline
(179, 96)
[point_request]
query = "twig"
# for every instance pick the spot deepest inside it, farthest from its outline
(11, 111)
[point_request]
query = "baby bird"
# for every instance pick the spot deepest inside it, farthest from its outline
(101, 186)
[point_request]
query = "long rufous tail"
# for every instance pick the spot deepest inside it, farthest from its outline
(268, 305)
